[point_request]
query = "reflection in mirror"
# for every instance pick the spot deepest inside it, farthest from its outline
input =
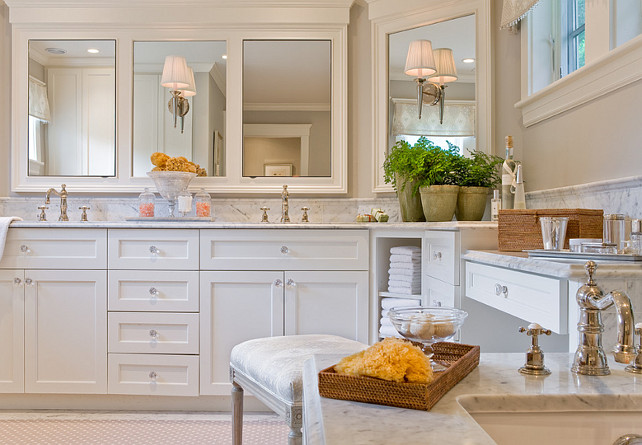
(199, 134)
(72, 108)
(286, 108)
(458, 126)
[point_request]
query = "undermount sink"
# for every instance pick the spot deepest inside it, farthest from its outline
(569, 419)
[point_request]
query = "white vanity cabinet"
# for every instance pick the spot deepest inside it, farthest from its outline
(56, 292)
(278, 282)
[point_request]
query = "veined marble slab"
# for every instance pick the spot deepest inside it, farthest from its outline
(495, 382)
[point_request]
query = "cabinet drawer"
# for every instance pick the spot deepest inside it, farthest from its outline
(153, 333)
(153, 290)
(439, 293)
(55, 249)
(440, 256)
(532, 298)
(153, 249)
(277, 249)
(156, 375)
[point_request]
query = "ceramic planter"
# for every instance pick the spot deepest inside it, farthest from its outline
(439, 202)
(471, 203)
(409, 205)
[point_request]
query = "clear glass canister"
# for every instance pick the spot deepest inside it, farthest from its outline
(203, 204)
(146, 203)
(184, 203)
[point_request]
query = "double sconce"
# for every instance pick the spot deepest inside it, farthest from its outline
(179, 78)
(435, 66)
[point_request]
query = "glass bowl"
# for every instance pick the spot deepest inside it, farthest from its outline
(427, 325)
(171, 184)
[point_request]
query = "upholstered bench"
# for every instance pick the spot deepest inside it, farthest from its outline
(271, 368)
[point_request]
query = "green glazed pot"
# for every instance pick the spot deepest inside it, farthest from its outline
(471, 203)
(409, 205)
(439, 202)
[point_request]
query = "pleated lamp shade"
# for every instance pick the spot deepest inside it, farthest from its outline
(175, 73)
(420, 61)
(191, 89)
(445, 62)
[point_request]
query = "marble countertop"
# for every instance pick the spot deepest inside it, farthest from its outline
(454, 225)
(571, 269)
(494, 384)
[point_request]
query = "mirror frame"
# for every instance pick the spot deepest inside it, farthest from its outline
(255, 19)
(387, 18)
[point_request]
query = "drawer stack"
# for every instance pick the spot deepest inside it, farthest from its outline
(153, 319)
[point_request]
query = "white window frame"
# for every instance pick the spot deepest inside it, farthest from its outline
(605, 70)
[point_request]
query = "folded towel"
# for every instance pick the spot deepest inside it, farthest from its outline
(4, 228)
(385, 321)
(389, 331)
(404, 259)
(413, 269)
(388, 302)
(403, 290)
(384, 313)
(405, 279)
(406, 250)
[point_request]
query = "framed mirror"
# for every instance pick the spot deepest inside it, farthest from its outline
(198, 132)
(72, 108)
(460, 31)
(287, 94)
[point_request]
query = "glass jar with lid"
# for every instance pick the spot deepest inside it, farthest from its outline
(146, 204)
(184, 203)
(203, 204)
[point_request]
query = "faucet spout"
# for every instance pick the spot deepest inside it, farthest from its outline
(63, 201)
(285, 205)
(624, 350)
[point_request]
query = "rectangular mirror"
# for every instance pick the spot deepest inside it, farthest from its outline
(72, 108)
(287, 97)
(198, 132)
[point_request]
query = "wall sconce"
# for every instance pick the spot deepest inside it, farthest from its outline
(179, 78)
(438, 67)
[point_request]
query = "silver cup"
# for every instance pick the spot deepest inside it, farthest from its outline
(553, 231)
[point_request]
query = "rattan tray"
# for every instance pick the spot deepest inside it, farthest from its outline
(462, 359)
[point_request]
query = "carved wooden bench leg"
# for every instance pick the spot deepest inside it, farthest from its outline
(237, 414)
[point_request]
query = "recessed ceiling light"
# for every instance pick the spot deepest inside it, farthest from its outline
(56, 51)
(93, 51)
(224, 56)
(468, 60)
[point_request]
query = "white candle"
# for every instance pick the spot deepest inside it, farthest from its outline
(185, 203)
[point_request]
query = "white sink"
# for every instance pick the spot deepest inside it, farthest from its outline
(551, 419)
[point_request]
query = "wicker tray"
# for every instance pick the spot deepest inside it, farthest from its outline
(519, 230)
(462, 359)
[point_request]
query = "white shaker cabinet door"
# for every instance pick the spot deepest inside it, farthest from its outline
(327, 302)
(11, 331)
(235, 306)
(66, 331)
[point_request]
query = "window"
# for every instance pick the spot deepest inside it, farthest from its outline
(574, 36)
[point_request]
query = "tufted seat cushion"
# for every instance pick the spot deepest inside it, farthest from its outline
(276, 363)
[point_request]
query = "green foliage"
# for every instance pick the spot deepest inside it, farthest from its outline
(480, 170)
(405, 161)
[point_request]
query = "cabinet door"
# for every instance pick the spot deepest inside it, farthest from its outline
(235, 307)
(11, 331)
(66, 331)
(327, 302)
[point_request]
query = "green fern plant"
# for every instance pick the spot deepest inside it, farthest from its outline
(479, 170)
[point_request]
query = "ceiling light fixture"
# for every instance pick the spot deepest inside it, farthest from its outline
(224, 56)
(93, 50)
(57, 51)
(468, 60)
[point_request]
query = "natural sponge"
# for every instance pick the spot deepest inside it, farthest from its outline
(390, 359)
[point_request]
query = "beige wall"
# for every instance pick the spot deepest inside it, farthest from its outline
(5, 105)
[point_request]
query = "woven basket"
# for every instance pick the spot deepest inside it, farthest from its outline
(462, 359)
(520, 229)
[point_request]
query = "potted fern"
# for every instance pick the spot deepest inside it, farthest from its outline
(438, 182)
(476, 176)
(402, 168)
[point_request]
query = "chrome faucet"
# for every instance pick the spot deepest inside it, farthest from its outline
(63, 201)
(285, 205)
(589, 357)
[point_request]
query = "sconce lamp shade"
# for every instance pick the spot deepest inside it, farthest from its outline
(420, 61)
(446, 70)
(190, 90)
(175, 73)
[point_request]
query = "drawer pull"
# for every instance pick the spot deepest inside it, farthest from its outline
(17, 281)
(277, 283)
(29, 282)
(153, 292)
(291, 282)
(153, 333)
(285, 250)
(437, 256)
(154, 250)
(153, 376)
(499, 290)
(25, 249)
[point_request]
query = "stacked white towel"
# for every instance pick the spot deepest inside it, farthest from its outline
(386, 329)
(404, 275)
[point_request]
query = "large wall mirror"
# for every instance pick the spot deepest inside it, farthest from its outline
(199, 134)
(72, 108)
(459, 34)
(287, 93)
